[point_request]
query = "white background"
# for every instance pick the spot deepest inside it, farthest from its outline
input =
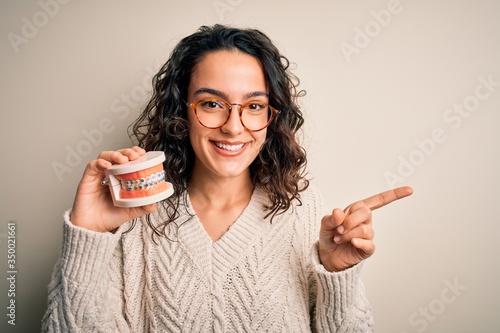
(371, 110)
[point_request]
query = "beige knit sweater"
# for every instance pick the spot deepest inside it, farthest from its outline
(259, 277)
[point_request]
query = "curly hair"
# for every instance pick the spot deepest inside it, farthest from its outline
(279, 169)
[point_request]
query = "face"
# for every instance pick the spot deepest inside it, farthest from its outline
(228, 151)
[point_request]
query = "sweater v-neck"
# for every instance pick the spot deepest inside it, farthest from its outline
(215, 258)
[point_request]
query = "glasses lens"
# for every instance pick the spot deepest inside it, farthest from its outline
(256, 115)
(212, 112)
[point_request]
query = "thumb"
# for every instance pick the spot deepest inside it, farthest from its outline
(338, 217)
(330, 222)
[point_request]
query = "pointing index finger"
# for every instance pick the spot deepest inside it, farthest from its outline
(385, 198)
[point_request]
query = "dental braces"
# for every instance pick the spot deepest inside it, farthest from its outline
(143, 183)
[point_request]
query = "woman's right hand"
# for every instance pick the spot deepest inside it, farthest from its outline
(93, 207)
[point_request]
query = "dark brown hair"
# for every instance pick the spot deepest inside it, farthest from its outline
(279, 169)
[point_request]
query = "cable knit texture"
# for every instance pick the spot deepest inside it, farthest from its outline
(258, 277)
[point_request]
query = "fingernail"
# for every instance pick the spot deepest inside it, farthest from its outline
(336, 239)
(340, 229)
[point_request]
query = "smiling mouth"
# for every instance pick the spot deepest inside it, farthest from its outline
(228, 147)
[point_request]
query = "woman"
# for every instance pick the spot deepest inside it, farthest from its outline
(236, 248)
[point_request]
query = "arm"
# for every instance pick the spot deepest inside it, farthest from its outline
(87, 283)
(79, 294)
(345, 240)
(337, 299)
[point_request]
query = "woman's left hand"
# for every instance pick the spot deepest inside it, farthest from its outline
(346, 236)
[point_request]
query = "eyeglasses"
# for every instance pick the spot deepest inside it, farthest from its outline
(214, 113)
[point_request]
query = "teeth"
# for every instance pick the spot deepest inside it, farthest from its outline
(229, 147)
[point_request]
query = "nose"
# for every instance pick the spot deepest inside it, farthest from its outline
(233, 125)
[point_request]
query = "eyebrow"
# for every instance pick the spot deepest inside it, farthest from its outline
(225, 96)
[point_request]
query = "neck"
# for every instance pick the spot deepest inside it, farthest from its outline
(220, 192)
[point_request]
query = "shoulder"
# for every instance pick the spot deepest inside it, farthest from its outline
(311, 200)
(309, 207)
(145, 228)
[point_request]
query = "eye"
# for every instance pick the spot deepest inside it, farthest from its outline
(255, 106)
(212, 105)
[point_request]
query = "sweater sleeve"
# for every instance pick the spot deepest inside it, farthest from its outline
(338, 300)
(81, 296)
(341, 303)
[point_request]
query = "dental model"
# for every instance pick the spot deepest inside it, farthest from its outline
(140, 182)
